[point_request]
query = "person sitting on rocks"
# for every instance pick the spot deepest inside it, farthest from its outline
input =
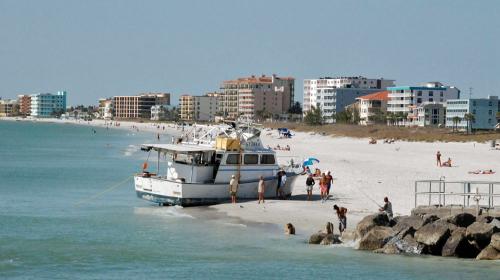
(387, 209)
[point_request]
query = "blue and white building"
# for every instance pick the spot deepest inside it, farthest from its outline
(44, 105)
(405, 98)
(483, 109)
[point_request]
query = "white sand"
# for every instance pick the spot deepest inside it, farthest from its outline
(361, 172)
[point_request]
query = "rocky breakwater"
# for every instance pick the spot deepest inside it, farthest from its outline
(443, 231)
(325, 236)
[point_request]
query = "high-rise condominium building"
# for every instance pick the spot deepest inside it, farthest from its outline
(138, 106)
(403, 99)
(45, 105)
(252, 97)
(24, 102)
(199, 108)
(332, 95)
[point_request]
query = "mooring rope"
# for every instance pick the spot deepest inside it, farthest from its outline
(102, 192)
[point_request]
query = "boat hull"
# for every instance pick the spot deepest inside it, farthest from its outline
(170, 192)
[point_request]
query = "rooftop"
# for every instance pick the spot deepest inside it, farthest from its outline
(381, 95)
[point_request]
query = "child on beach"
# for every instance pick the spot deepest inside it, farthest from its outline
(283, 184)
(309, 185)
(261, 189)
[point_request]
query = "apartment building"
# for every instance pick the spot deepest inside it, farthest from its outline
(106, 108)
(372, 107)
(44, 105)
(332, 95)
(138, 106)
(404, 99)
(8, 108)
(428, 114)
(251, 97)
(484, 110)
(24, 102)
(199, 108)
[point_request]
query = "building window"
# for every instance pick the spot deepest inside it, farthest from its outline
(490, 112)
(431, 93)
(419, 93)
(473, 103)
(431, 99)
(419, 100)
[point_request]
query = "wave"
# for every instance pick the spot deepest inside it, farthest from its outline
(130, 150)
(167, 212)
(235, 225)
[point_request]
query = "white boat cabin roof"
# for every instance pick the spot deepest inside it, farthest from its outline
(177, 148)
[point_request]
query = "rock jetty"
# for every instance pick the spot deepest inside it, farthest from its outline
(439, 231)
(325, 236)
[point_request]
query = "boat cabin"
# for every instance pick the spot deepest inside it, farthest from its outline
(204, 164)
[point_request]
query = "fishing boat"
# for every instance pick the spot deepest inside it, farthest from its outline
(197, 170)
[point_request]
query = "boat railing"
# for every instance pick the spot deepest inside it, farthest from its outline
(484, 194)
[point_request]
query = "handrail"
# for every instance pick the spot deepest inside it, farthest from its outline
(441, 189)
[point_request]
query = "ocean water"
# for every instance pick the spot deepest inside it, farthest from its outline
(53, 226)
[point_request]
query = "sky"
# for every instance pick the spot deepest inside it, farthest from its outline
(95, 49)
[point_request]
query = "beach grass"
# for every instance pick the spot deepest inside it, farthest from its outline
(421, 134)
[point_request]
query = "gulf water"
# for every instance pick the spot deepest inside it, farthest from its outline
(56, 222)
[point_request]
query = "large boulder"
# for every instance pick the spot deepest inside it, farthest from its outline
(329, 228)
(405, 222)
(399, 244)
(457, 245)
(433, 235)
(462, 219)
(369, 222)
(330, 239)
(316, 238)
(489, 253)
(481, 233)
(376, 238)
(495, 241)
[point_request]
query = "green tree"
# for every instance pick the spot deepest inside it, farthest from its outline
(470, 118)
(314, 116)
(455, 120)
(296, 108)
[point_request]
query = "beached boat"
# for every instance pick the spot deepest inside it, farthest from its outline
(198, 171)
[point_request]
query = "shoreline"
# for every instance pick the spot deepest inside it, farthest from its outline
(363, 174)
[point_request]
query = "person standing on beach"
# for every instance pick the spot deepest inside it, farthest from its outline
(261, 189)
(387, 209)
(283, 184)
(438, 158)
(278, 178)
(329, 181)
(309, 185)
(233, 188)
(323, 187)
(341, 214)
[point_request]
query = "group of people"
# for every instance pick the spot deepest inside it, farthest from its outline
(279, 148)
(442, 164)
(325, 183)
(261, 187)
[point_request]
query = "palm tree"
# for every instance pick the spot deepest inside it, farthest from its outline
(456, 120)
(470, 118)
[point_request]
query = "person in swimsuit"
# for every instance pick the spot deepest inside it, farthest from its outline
(309, 186)
(261, 189)
(329, 181)
(323, 187)
(438, 158)
(341, 214)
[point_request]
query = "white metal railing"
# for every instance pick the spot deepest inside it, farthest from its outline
(442, 193)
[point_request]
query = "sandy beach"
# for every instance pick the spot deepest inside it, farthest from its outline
(363, 174)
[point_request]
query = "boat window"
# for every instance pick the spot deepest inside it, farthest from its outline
(251, 159)
(267, 159)
(233, 159)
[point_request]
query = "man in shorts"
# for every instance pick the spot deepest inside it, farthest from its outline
(341, 214)
(309, 186)
(233, 188)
